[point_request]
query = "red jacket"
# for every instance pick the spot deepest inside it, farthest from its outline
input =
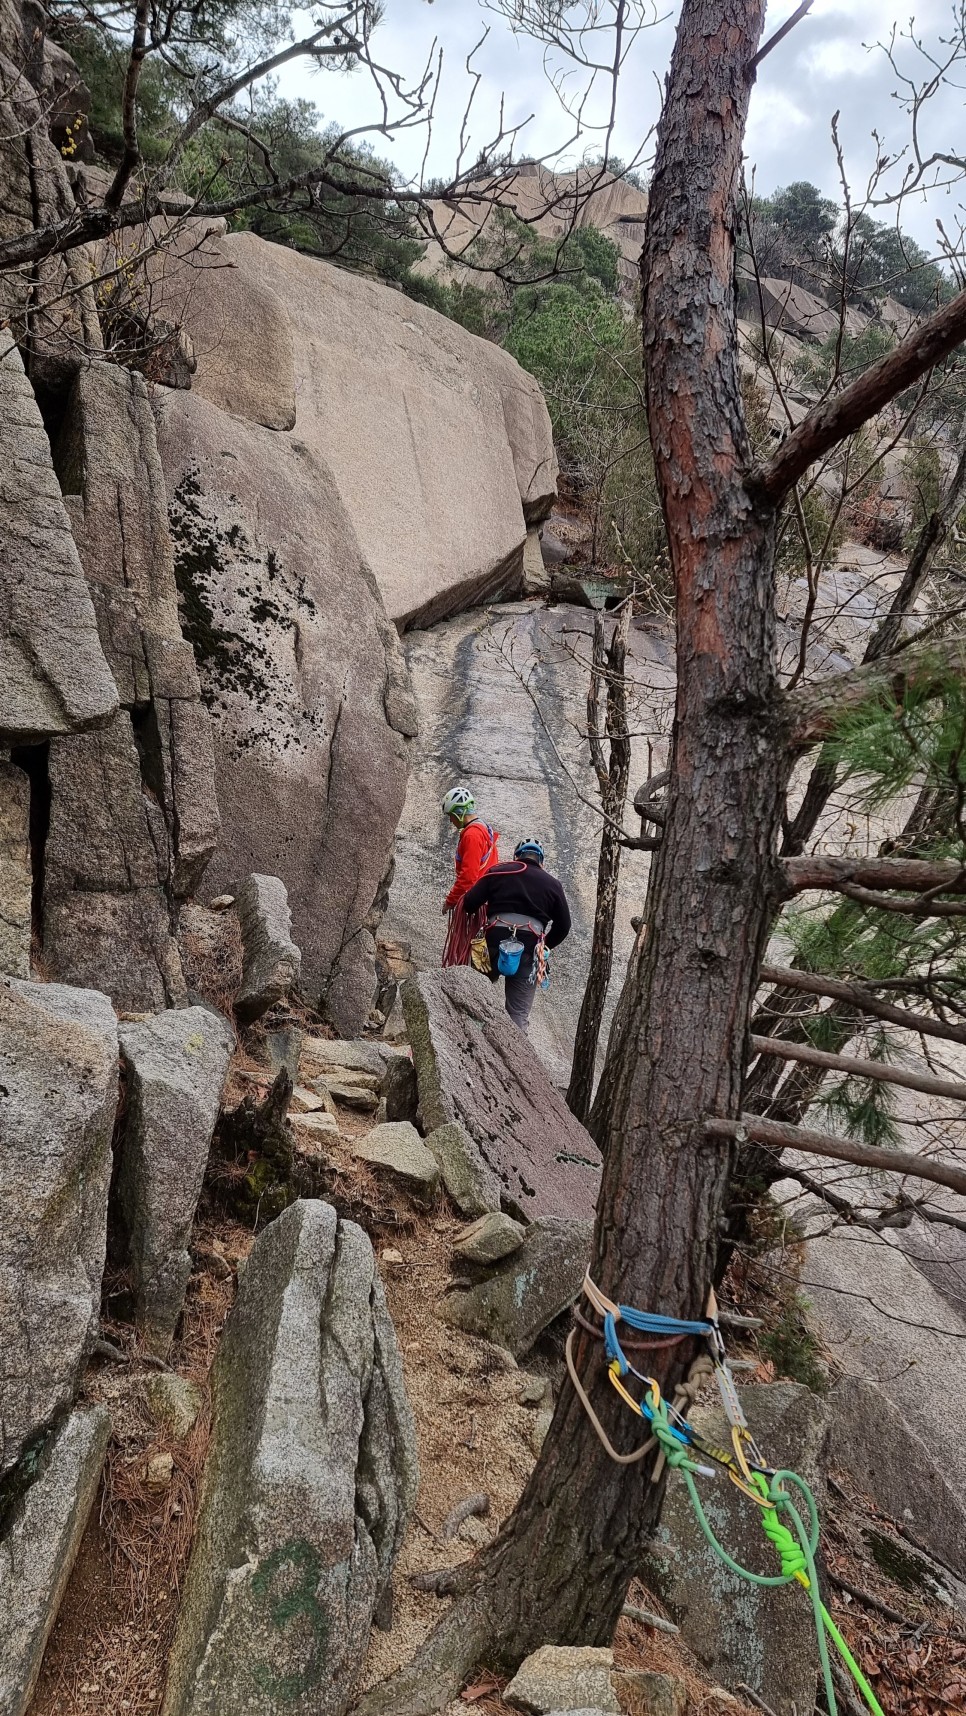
(476, 850)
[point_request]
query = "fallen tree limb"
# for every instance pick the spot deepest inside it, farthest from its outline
(857, 995)
(855, 1067)
(777, 1136)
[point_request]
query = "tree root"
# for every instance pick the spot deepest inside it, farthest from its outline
(438, 1670)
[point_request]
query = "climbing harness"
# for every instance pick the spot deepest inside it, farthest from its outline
(775, 1492)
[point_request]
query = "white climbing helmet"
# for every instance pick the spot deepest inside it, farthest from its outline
(458, 801)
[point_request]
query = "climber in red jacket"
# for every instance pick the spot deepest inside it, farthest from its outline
(476, 850)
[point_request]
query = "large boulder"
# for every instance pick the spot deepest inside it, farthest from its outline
(762, 1636)
(176, 1065)
(304, 680)
(475, 1069)
(309, 1484)
(39, 1540)
(437, 443)
(53, 675)
(15, 875)
(520, 748)
(58, 1093)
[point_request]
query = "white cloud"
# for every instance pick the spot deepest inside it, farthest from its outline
(820, 68)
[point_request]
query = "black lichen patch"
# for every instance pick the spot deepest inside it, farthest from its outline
(239, 664)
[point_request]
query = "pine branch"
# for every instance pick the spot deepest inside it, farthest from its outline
(813, 712)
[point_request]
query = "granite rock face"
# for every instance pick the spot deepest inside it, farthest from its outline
(176, 1065)
(480, 725)
(58, 1093)
(48, 304)
(37, 1549)
(53, 675)
(110, 469)
(438, 443)
(106, 913)
(309, 1483)
(304, 680)
(474, 1068)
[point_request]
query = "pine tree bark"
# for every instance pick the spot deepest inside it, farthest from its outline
(559, 1570)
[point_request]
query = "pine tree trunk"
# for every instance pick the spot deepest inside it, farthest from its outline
(613, 781)
(560, 1568)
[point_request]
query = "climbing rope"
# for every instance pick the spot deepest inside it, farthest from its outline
(795, 1538)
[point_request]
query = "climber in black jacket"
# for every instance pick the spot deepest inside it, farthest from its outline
(522, 901)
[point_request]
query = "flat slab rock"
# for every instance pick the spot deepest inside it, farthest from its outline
(474, 1067)
(397, 1149)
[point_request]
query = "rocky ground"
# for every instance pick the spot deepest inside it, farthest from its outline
(479, 1416)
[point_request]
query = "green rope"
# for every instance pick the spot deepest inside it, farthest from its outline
(796, 1548)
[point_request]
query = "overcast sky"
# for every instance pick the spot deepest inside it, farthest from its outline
(828, 63)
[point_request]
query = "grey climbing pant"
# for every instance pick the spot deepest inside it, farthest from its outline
(520, 994)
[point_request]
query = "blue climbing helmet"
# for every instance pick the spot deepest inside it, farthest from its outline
(529, 848)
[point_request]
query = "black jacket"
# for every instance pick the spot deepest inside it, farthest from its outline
(522, 886)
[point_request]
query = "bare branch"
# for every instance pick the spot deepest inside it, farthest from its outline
(836, 418)
(916, 875)
(129, 112)
(854, 1067)
(921, 908)
(780, 34)
(859, 996)
(750, 1129)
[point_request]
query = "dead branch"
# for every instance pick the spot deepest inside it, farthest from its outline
(855, 1067)
(916, 875)
(910, 908)
(780, 34)
(860, 996)
(777, 1136)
